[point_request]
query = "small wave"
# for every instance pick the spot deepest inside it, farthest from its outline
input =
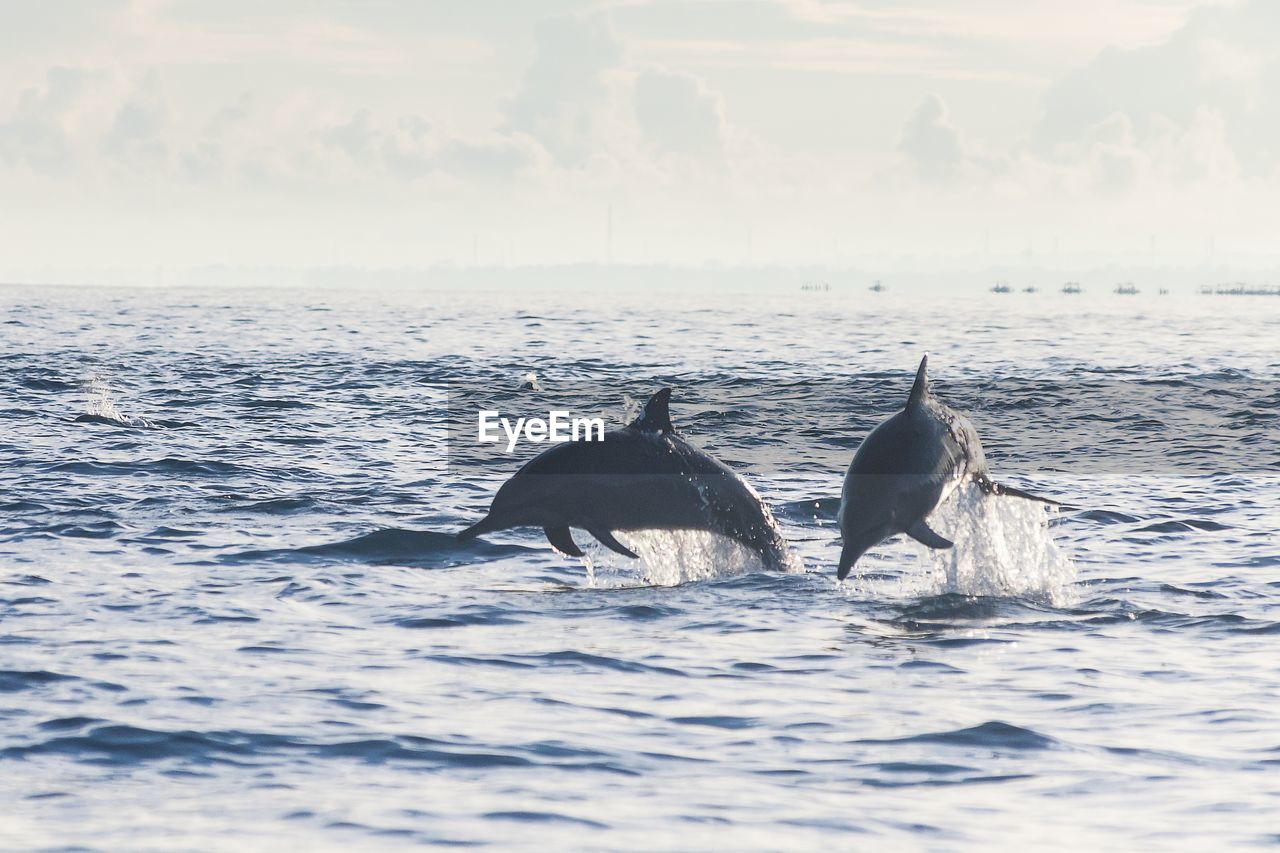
(169, 534)
(545, 817)
(476, 616)
(645, 612)
(125, 745)
(269, 403)
(393, 546)
(809, 511)
(49, 385)
(167, 465)
(949, 609)
(22, 506)
(13, 680)
(589, 662)
(1214, 623)
(273, 506)
(1107, 516)
(990, 735)
(71, 530)
(721, 722)
(1183, 526)
(470, 660)
(28, 580)
(1197, 593)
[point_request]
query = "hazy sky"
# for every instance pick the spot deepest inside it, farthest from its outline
(385, 134)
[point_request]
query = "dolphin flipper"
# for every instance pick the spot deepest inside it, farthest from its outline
(562, 540)
(923, 534)
(991, 487)
(607, 540)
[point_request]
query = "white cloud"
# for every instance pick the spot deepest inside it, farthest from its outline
(495, 156)
(698, 121)
(411, 147)
(356, 137)
(1185, 114)
(36, 134)
(678, 114)
(564, 91)
(136, 137)
(1225, 61)
(932, 143)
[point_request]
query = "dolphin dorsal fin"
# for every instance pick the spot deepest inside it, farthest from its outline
(656, 416)
(920, 389)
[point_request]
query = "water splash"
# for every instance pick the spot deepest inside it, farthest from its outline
(1003, 548)
(631, 408)
(100, 403)
(673, 557)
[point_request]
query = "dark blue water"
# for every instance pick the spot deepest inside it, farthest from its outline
(232, 614)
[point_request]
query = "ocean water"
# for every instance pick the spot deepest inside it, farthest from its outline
(233, 615)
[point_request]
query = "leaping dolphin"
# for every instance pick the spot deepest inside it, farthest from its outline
(905, 468)
(641, 477)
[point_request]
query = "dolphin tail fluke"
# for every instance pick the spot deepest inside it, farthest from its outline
(606, 539)
(925, 535)
(562, 540)
(921, 387)
(484, 525)
(991, 487)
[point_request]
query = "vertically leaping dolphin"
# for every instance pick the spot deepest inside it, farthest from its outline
(905, 468)
(641, 477)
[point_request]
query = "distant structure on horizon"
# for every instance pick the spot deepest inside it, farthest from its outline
(1072, 287)
(877, 287)
(1239, 288)
(1126, 288)
(1002, 287)
(1030, 288)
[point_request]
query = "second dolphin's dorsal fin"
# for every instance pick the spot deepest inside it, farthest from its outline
(656, 416)
(920, 389)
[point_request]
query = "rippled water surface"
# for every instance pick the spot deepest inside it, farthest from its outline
(233, 615)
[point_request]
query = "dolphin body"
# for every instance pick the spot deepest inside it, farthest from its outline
(905, 468)
(641, 477)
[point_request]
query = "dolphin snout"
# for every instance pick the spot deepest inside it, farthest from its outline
(855, 546)
(848, 556)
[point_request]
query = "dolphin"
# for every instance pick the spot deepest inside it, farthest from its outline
(905, 468)
(644, 476)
